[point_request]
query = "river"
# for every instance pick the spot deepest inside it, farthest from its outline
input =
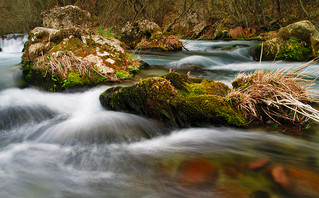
(66, 145)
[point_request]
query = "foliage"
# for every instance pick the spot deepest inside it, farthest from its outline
(105, 32)
(291, 50)
(294, 50)
(23, 15)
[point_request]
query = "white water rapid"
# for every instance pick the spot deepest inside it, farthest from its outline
(65, 145)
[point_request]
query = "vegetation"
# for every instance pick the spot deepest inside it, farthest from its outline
(280, 96)
(291, 50)
(177, 100)
(23, 15)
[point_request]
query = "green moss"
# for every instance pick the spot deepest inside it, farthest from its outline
(76, 46)
(294, 50)
(73, 80)
(123, 75)
(290, 50)
(160, 99)
(207, 109)
(207, 86)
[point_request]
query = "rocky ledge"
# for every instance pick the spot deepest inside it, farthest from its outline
(67, 52)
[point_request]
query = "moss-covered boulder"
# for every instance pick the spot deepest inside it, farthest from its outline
(66, 54)
(144, 34)
(296, 42)
(176, 99)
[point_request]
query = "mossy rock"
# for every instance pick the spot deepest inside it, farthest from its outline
(290, 50)
(177, 100)
(296, 42)
(72, 56)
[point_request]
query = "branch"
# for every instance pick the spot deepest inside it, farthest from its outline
(180, 16)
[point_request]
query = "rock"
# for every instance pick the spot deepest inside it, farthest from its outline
(140, 29)
(65, 54)
(259, 164)
(66, 17)
(177, 100)
(280, 176)
(197, 173)
(298, 182)
(240, 32)
(144, 34)
(303, 30)
(0, 49)
(296, 42)
(221, 32)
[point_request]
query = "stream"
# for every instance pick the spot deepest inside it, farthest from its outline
(66, 145)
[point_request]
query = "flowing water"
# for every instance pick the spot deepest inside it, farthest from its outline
(66, 145)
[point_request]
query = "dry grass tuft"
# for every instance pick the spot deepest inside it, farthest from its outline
(282, 96)
(62, 63)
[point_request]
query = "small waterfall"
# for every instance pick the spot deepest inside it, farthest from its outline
(12, 43)
(10, 56)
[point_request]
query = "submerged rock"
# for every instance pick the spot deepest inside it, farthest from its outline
(144, 34)
(298, 182)
(176, 99)
(296, 42)
(65, 53)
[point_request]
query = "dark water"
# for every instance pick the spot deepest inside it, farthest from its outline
(66, 145)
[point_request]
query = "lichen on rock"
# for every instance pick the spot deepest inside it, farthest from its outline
(67, 48)
(176, 99)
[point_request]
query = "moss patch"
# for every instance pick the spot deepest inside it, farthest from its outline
(181, 102)
(290, 50)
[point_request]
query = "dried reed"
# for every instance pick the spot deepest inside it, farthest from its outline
(62, 63)
(282, 96)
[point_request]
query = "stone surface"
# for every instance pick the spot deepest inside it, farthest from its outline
(66, 17)
(140, 29)
(305, 31)
(177, 100)
(144, 34)
(67, 54)
(280, 46)
(197, 172)
(298, 182)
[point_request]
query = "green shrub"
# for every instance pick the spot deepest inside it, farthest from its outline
(294, 50)
(105, 32)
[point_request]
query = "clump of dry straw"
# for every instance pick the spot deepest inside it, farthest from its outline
(282, 96)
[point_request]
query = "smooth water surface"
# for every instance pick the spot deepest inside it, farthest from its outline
(66, 145)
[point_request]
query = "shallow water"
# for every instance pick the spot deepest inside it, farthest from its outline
(66, 145)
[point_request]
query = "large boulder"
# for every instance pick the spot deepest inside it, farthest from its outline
(177, 100)
(140, 29)
(296, 42)
(144, 34)
(66, 54)
(66, 17)
(303, 30)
